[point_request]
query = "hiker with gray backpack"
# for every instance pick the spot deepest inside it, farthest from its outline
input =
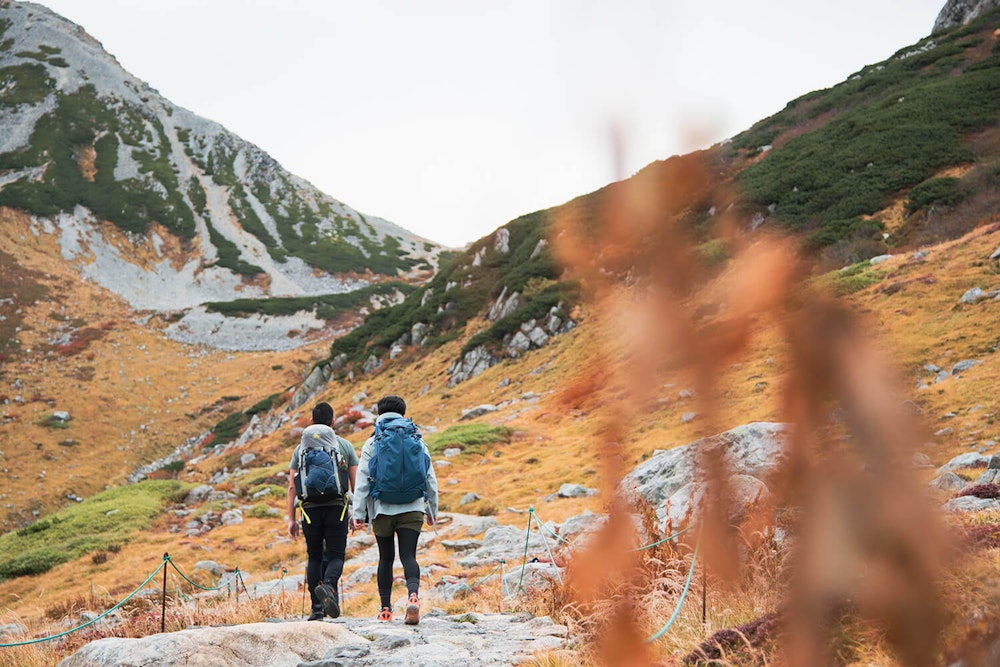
(396, 492)
(322, 472)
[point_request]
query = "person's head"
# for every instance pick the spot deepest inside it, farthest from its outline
(323, 414)
(391, 404)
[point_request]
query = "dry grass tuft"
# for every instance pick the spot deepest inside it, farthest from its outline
(866, 537)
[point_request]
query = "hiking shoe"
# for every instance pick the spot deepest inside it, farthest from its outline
(316, 616)
(327, 594)
(384, 614)
(412, 610)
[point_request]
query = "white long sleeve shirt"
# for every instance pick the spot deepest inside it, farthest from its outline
(363, 504)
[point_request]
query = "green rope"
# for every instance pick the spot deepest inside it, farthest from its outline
(687, 587)
(240, 581)
(552, 558)
(552, 533)
(281, 589)
(204, 588)
(665, 539)
(527, 537)
(94, 620)
(503, 578)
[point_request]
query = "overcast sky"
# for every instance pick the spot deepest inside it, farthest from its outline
(451, 117)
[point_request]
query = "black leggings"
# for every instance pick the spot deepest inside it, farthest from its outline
(407, 556)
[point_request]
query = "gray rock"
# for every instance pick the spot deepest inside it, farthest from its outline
(538, 337)
(973, 295)
(959, 12)
(878, 260)
(247, 459)
(480, 524)
(263, 644)
(932, 368)
(211, 566)
(468, 498)
(418, 333)
(477, 411)
(372, 364)
(61, 416)
(963, 461)
(970, 504)
(575, 491)
(688, 417)
(921, 460)
(581, 524)
(315, 381)
(757, 449)
(941, 377)
(964, 365)
(532, 576)
(686, 504)
(461, 545)
(363, 575)
(451, 452)
(948, 481)
(12, 630)
(472, 363)
(944, 432)
(989, 477)
(232, 517)
(198, 494)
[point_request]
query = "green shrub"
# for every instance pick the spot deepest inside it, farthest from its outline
(895, 125)
(102, 522)
(856, 278)
(935, 191)
(472, 438)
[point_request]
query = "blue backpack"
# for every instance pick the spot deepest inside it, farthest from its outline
(397, 469)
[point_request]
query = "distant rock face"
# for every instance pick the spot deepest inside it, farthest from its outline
(198, 214)
(959, 12)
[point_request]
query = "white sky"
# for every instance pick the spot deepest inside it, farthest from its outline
(451, 117)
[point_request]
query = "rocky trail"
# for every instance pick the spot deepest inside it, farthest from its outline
(466, 640)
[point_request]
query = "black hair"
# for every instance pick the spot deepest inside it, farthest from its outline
(391, 404)
(323, 414)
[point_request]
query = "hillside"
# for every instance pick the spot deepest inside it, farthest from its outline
(678, 303)
(165, 208)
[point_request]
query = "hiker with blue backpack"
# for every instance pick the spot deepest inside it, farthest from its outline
(322, 471)
(396, 492)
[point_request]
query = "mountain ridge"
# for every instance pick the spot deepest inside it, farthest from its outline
(83, 141)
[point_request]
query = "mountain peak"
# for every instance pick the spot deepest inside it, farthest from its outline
(84, 142)
(960, 12)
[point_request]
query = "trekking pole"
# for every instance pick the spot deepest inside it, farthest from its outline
(237, 577)
(163, 596)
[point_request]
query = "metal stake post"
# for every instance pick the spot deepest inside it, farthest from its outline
(163, 595)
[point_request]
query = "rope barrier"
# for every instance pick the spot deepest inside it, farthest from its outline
(551, 557)
(677, 611)
(665, 539)
(204, 588)
(281, 591)
(96, 619)
(527, 537)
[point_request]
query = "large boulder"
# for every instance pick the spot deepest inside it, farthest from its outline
(757, 449)
(263, 644)
(687, 503)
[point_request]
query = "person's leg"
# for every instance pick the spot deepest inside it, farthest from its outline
(386, 556)
(313, 532)
(408, 557)
(408, 536)
(335, 532)
(336, 545)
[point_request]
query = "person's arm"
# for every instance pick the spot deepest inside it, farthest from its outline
(359, 506)
(293, 525)
(432, 492)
